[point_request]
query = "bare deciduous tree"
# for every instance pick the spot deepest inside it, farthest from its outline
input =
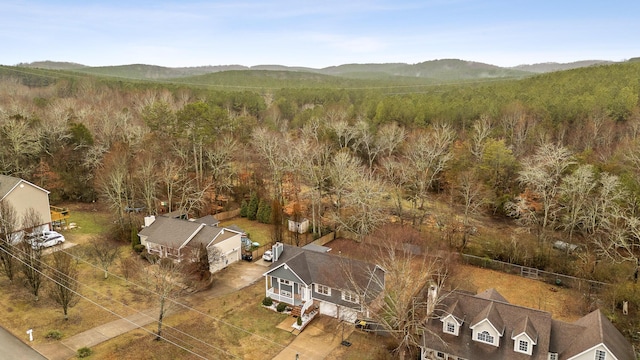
(166, 278)
(64, 274)
(409, 299)
(575, 192)
(542, 173)
(428, 154)
(8, 226)
(105, 253)
(472, 195)
(30, 256)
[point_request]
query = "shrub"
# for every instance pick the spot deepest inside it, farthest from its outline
(83, 352)
(299, 321)
(252, 208)
(54, 334)
(267, 301)
(281, 307)
(139, 248)
(244, 208)
(152, 258)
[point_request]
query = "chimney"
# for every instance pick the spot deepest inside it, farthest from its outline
(148, 220)
(276, 250)
(432, 298)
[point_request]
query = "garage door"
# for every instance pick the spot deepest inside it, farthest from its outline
(328, 309)
(348, 314)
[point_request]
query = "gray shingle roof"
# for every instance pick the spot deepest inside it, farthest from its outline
(170, 231)
(334, 271)
(6, 184)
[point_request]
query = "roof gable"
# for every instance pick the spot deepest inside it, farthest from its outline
(491, 315)
(8, 183)
(596, 330)
(282, 270)
(525, 327)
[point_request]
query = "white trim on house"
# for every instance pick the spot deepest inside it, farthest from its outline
(350, 296)
(491, 330)
(450, 319)
(286, 268)
(318, 288)
(609, 355)
(524, 338)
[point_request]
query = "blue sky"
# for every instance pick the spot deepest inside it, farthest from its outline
(316, 33)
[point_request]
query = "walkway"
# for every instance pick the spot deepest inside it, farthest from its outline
(234, 278)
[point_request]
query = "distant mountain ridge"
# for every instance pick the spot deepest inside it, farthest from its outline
(553, 66)
(441, 70)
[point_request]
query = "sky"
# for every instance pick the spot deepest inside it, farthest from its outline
(316, 34)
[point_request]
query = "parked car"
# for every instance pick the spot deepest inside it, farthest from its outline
(267, 256)
(247, 257)
(47, 238)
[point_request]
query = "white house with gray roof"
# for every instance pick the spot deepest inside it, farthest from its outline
(180, 240)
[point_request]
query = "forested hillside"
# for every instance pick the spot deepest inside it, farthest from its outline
(557, 154)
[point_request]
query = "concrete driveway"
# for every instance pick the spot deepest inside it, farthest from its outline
(233, 278)
(317, 340)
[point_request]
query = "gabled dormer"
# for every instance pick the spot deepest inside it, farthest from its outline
(488, 327)
(452, 319)
(524, 336)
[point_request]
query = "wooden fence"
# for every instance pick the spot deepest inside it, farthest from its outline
(227, 215)
(533, 273)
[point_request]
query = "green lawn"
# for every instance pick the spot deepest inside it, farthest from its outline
(258, 232)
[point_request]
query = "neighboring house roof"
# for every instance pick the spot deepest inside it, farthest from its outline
(8, 183)
(208, 220)
(237, 229)
(317, 248)
(169, 231)
(594, 329)
(565, 339)
(505, 317)
(337, 272)
(177, 233)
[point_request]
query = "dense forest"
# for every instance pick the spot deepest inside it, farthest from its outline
(556, 153)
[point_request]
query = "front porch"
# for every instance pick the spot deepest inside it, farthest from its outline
(285, 297)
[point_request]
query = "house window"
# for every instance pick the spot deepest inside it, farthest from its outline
(349, 296)
(523, 346)
(324, 290)
(284, 281)
(601, 355)
(285, 293)
(440, 355)
(485, 337)
(553, 356)
(450, 327)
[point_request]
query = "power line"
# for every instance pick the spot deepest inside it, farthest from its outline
(113, 312)
(174, 301)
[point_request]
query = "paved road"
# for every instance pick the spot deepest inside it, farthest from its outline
(12, 348)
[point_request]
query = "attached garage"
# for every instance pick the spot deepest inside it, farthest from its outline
(328, 309)
(347, 314)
